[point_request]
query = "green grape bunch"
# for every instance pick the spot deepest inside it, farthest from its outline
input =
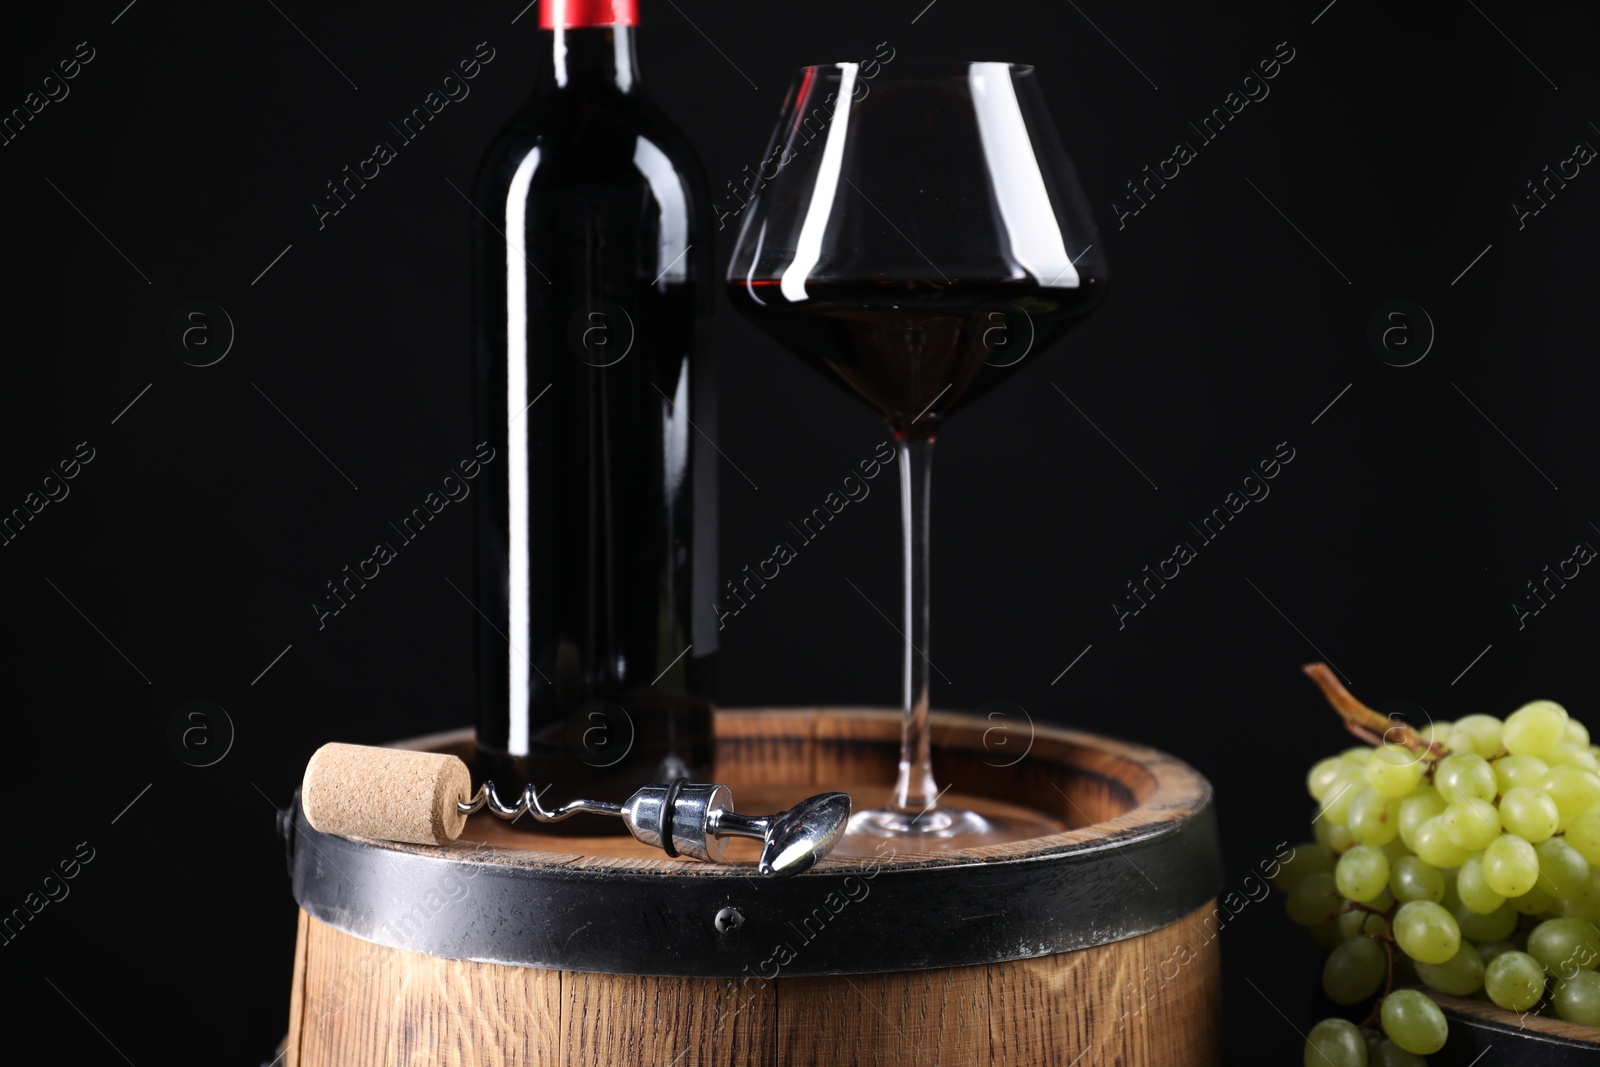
(1461, 858)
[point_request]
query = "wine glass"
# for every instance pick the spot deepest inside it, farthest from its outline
(917, 231)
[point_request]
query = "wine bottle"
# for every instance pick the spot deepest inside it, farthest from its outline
(596, 542)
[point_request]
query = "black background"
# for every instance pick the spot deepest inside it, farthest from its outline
(196, 141)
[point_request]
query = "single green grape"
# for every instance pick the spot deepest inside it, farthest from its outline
(1389, 1054)
(1426, 932)
(1586, 907)
(1471, 824)
(1437, 732)
(1322, 776)
(1335, 805)
(1512, 771)
(1354, 971)
(1394, 771)
(1583, 834)
(1432, 843)
(1464, 775)
(1573, 789)
(1498, 924)
(1335, 1043)
(1488, 950)
(1417, 809)
(1562, 870)
(1534, 902)
(1362, 873)
(1414, 1022)
(1306, 859)
(1473, 890)
(1412, 879)
(1460, 976)
(1514, 981)
(1567, 754)
(1314, 900)
(1529, 812)
(1510, 866)
(1476, 733)
(1577, 999)
(1534, 728)
(1336, 836)
(1565, 946)
(1373, 819)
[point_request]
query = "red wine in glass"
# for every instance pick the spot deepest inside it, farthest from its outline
(916, 349)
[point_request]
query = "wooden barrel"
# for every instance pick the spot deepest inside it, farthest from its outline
(1093, 945)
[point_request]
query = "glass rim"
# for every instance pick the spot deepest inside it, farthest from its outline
(924, 69)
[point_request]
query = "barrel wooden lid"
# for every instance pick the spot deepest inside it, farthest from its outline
(1137, 851)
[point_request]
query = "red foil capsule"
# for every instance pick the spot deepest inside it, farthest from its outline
(578, 14)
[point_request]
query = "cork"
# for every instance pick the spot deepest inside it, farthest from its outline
(387, 793)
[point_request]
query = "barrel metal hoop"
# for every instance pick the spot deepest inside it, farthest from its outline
(844, 917)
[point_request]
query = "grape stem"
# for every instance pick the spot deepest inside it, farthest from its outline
(1386, 939)
(1362, 721)
(1369, 909)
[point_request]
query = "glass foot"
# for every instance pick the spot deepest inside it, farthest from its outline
(935, 830)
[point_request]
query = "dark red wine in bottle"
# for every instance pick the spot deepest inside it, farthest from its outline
(596, 547)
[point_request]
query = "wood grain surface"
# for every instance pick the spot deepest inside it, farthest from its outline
(1149, 1001)
(1093, 787)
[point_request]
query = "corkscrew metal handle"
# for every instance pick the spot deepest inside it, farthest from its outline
(407, 795)
(692, 819)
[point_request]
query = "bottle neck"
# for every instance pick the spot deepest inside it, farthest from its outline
(588, 61)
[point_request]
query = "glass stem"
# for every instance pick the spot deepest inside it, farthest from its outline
(915, 791)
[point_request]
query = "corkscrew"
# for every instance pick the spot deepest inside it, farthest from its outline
(692, 819)
(405, 795)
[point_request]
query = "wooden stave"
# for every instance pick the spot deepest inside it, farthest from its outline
(355, 1004)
